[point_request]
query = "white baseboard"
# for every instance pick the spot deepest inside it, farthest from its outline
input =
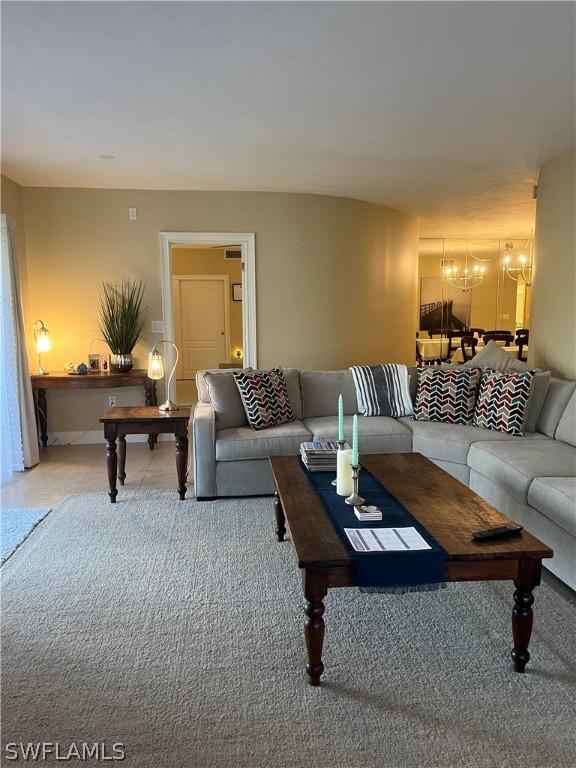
(95, 437)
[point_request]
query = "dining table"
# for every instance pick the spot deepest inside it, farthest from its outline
(512, 350)
(433, 349)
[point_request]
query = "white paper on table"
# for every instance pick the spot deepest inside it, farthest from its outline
(386, 539)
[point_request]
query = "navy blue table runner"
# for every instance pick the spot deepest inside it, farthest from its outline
(380, 569)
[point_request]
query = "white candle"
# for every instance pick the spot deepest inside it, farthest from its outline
(344, 485)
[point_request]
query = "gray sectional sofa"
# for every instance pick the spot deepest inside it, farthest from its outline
(532, 479)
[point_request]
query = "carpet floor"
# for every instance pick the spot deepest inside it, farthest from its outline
(175, 628)
(15, 526)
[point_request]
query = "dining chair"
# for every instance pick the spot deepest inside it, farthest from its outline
(504, 336)
(451, 336)
(468, 347)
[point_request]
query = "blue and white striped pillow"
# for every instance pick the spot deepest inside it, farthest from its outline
(382, 390)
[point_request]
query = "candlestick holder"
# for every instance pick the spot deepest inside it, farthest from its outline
(354, 499)
(341, 444)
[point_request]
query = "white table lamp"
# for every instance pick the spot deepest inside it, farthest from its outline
(156, 372)
(43, 343)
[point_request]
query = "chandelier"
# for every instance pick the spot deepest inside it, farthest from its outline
(517, 268)
(465, 280)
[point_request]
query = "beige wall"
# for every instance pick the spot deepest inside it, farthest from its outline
(11, 204)
(211, 261)
(336, 278)
(553, 330)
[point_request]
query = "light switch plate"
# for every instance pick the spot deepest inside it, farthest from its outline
(157, 326)
(132, 214)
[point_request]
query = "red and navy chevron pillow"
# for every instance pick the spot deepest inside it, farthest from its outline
(503, 400)
(265, 397)
(447, 395)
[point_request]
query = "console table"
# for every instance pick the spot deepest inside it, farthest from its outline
(63, 380)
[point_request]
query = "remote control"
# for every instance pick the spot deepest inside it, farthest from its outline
(496, 533)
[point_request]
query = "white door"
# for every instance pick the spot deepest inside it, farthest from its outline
(201, 322)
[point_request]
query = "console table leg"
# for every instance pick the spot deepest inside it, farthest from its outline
(315, 588)
(151, 399)
(42, 413)
(121, 458)
(522, 616)
(112, 466)
(182, 463)
(280, 518)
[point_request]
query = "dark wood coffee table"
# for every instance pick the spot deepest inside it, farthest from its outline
(448, 510)
(144, 420)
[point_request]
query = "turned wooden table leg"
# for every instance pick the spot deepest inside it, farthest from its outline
(522, 617)
(182, 463)
(151, 399)
(121, 458)
(42, 414)
(315, 588)
(112, 466)
(280, 518)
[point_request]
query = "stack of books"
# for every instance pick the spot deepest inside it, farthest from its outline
(319, 456)
(366, 513)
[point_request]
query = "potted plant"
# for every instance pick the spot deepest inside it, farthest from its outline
(121, 321)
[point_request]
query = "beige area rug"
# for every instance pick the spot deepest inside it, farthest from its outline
(175, 628)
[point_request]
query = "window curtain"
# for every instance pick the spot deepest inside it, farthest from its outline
(18, 433)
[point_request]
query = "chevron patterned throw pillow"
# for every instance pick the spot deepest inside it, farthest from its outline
(503, 401)
(447, 395)
(265, 397)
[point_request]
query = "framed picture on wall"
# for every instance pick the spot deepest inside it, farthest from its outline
(236, 291)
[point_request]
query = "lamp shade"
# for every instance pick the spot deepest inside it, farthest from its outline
(41, 337)
(155, 365)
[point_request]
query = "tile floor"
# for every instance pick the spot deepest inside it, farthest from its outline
(82, 469)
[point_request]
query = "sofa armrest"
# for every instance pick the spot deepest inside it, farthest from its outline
(204, 450)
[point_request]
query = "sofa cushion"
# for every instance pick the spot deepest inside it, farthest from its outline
(514, 464)
(566, 430)
(377, 434)
(502, 401)
(245, 443)
(451, 442)
(555, 497)
(490, 356)
(446, 395)
(265, 398)
(557, 397)
(219, 389)
(320, 392)
(382, 390)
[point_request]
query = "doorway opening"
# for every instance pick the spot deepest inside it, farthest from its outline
(209, 307)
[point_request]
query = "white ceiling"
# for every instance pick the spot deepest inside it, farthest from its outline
(443, 109)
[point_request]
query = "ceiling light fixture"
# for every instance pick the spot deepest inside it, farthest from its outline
(107, 157)
(465, 280)
(517, 268)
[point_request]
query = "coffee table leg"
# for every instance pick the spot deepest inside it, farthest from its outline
(112, 466)
(181, 463)
(280, 518)
(315, 588)
(121, 458)
(528, 578)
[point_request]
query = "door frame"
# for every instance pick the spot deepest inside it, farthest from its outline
(246, 241)
(225, 280)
